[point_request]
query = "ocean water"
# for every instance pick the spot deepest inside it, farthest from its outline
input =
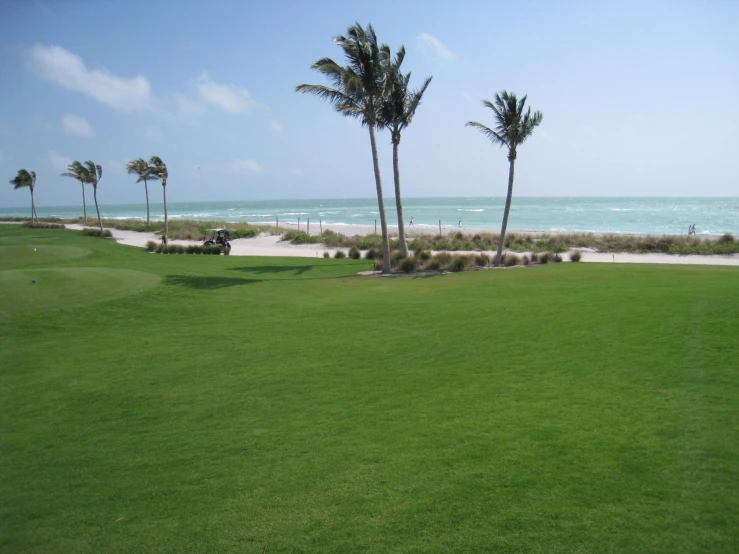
(711, 216)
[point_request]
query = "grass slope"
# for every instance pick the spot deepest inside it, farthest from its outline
(248, 404)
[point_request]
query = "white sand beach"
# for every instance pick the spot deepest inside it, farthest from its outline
(271, 245)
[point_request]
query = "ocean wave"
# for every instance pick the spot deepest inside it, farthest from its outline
(470, 210)
(296, 213)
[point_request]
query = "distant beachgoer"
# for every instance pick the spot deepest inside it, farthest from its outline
(694, 228)
(460, 224)
(411, 223)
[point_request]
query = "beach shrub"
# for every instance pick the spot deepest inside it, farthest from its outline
(544, 258)
(396, 257)
(444, 258)
(300, 237)
(354, 253)
(556, 258)
(243, 233)
(105, 233)
(525, 260)
(511, 260)
(726, 238)
(371, 241)
(423, 255)
(42, 225)
(458, 264)
(372, 254)
(408, 265)
(575, 256)
(326, 254)
(151, 246)
(340, 254)
(377, 264)
(434, 264)
(534, 258)
(482, 260)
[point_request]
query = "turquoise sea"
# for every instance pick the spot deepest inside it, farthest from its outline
(711, 216)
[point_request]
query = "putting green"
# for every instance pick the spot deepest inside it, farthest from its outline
(66, 287)
(32, 254)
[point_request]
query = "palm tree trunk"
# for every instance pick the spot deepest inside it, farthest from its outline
(34, 215)
(166, 226)
(380, 203)
(512, 159)
(84, 204)
(146, 189)
(95, 195)
(398, 201)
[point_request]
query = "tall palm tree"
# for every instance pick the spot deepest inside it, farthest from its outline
(93, 174)
(397, 111)
(356, 91)
(140, 168)
(158, 171)
(77, 171)
(512, 128)
(24, 179)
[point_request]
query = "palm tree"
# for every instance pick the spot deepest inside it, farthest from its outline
(396, 114)
(24, 179)
(93, 174)
(140, 168)
(357, 92)
(77, 171)
(513, 127)
(158, 171)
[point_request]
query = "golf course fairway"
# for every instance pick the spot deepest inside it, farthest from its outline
(189, 403)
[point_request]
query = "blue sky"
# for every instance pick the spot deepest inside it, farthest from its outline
(639, 98)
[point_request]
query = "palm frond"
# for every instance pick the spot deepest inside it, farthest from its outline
(512, 125)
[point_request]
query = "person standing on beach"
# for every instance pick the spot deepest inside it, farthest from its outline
(460, 224)
(411, 223)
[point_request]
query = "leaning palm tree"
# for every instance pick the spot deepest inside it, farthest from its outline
(158, 171)
(397, 111)
(356, 91)
(513, 127)
(24, 179)
(93, 175)
(140, 168)
(78, 171)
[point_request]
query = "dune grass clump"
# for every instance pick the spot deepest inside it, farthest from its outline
(105, 233)
(482, 260)
(511, 260)
(556, 258)
(300, 237)
(372, 254)
(326, 254)
(42, 225)
(726, 238)
(458, 264)
(396, 257)
(340, 255)
(151, 246)
(525, 260)
(575, 256)
(354, 253)
(544, 258)
(408, 264)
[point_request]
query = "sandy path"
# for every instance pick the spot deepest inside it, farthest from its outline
(271, 245)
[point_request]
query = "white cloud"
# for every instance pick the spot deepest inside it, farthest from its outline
(276, 125)
(77, 126)
(249, 166)
(229, 98)
(433, 48)
(58, 161)
(67, 70)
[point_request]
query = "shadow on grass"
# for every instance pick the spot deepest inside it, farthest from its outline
(208, 283)
(262, 269)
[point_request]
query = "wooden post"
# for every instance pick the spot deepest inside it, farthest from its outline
(320, 223)
(277, 221)
(440, 227)
(308, 226)
(375, 226)
(298, 224)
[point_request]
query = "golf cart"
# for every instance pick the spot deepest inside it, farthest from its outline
(217, 236)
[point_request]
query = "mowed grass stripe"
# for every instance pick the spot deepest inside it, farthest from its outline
(562, 408)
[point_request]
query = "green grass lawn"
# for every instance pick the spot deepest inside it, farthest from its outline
(164, 403)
